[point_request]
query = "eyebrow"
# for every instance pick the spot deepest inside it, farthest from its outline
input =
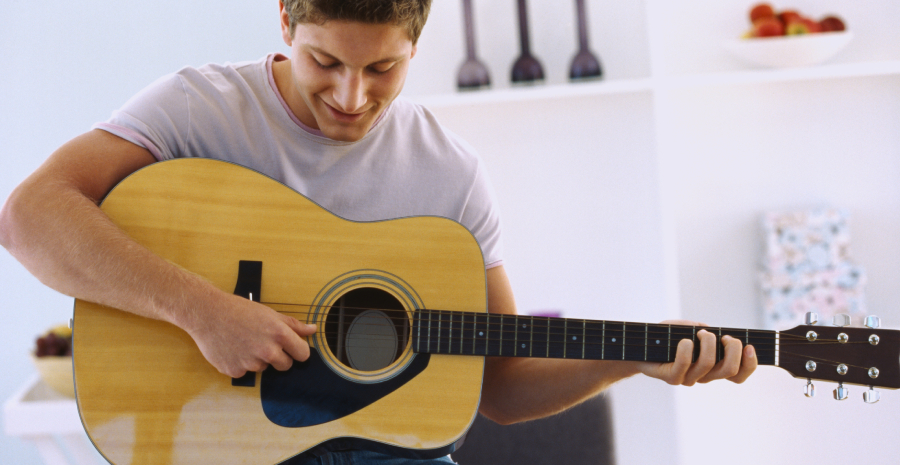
(383, 60)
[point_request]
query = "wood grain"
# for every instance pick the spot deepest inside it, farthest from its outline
(147, 396)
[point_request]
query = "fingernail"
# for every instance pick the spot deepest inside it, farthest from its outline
(751, 351)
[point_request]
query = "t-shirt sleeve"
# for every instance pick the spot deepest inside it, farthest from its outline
(482, 218)
(156, 118)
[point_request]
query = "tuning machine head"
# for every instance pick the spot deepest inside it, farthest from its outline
(873, 322)
(841, 393)
(871, 396)
(812, 318)
(841, 319)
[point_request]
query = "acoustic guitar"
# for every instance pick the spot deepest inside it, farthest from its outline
(397, 363)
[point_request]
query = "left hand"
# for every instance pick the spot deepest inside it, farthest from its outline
(737, 364)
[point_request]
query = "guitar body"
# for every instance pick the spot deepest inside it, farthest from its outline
(145, 393)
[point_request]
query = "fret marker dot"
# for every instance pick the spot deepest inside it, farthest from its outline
(523, 346)
(657, 341)
(614, 339)
(481, 333)
(574, 338)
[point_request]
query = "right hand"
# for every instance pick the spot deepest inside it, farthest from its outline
(244, 336)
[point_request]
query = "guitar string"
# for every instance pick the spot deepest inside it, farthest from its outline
(658, 330)
(507, 328)
(443, 338)
(501, 327)
(471, 342)
(738, 332)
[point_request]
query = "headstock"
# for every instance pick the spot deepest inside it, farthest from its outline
(868, 356)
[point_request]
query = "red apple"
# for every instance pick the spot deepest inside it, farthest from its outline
(801, 25)
(832, 23)
(767, 27)
(787, 16)
(762, 10)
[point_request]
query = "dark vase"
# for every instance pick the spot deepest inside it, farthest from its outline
(585, 65)
(526, 69)
(472, 74)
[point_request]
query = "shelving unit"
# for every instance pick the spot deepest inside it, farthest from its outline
(638, 198)
(528, 93)
(50, 421)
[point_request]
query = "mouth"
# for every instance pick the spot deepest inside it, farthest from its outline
(342, 117)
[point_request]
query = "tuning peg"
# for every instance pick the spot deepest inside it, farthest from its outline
(841, 319)
(841, 393)
(810, 389)
(873, 322)
(812, 318)
(871, 396)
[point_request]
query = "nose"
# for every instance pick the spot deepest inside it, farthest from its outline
(350, 92)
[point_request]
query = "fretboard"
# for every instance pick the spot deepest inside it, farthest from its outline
(485, 334)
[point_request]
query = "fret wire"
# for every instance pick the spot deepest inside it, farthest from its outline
(623, 341)
(419, 332)
(603, 342)
(583, 337)
(719, 347)
(646, 335)
(516, 338)
(439, 333)
(694, 340)
(502, 326)
(531, 337)
(450, 336)
(565, 336)
(429, 332)
(474, 330)
(669, 345)
(548, 337)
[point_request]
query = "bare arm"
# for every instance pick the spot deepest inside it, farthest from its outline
(52, 224)
(519, 389)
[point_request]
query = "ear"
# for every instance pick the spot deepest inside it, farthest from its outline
(414, 48)
(285, 24)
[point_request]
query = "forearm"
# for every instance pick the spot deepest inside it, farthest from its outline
(519, 389)
(66, 241)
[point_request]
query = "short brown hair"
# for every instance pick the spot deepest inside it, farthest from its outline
(409, 13)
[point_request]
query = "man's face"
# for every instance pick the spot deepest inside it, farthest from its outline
(345, 74)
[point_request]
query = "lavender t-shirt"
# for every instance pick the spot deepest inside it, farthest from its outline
(407, 165)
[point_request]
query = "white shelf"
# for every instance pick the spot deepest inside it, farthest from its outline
(538, 92)
(50, 421)
(762, 76)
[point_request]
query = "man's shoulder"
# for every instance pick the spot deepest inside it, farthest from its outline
(418, 124)
(220, 76)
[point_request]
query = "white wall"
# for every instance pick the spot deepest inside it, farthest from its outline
(67, 65)
(590, 201)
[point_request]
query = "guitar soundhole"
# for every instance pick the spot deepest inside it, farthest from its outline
(367, 329)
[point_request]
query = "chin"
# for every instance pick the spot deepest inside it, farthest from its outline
(345, 135)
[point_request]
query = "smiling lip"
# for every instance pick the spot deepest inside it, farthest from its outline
(344, 117)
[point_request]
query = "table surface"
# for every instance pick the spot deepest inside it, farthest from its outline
(36, 409)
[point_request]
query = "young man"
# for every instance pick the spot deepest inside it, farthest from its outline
(326, 121)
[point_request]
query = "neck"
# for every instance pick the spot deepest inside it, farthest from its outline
(484, 334)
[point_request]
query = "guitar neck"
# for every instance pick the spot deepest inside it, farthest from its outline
(486, 334)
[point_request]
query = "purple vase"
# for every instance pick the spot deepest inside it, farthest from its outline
(526, 69)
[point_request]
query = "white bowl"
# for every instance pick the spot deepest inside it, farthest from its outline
(56, 372)
(789, 51)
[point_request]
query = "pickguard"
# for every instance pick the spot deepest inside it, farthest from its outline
(310, 393)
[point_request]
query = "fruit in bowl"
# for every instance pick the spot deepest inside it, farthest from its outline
(765, 22)
(52, 357)
(789, 38)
